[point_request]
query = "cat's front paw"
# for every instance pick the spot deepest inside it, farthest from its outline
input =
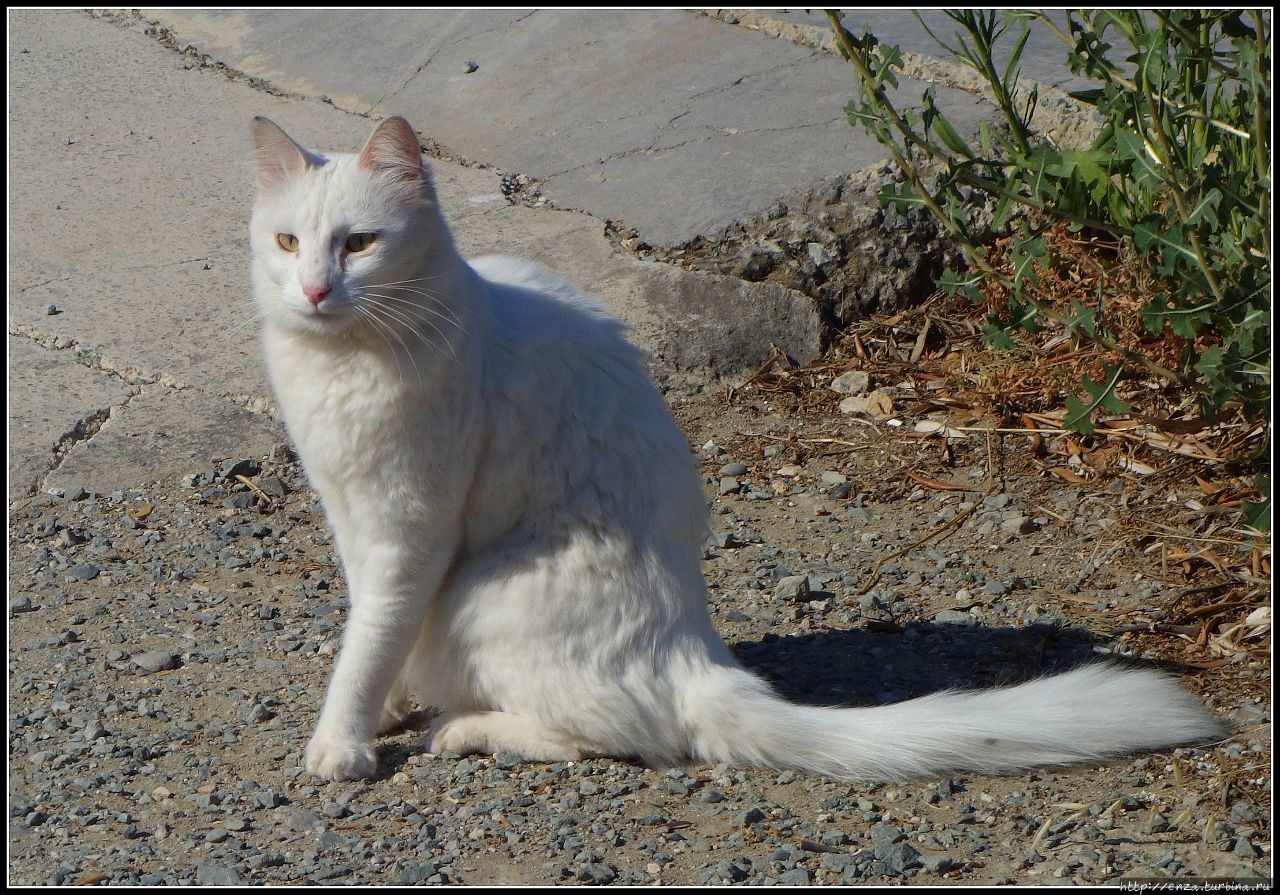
(340, 759)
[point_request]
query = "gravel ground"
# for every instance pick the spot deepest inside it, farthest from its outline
(169, 648)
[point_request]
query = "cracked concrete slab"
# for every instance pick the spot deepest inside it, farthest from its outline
(1044, 58)
(52, 401)
(578, 97)
(131, 188)
(162, 435)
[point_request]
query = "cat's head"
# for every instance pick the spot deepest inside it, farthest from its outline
(337, 240)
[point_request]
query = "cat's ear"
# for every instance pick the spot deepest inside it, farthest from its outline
(278, 156)
(393, 148)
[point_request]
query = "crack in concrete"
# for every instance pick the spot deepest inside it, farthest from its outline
(93, 359)
(75, 276)
(23, 289)
(164, 36)
(417, 71)
(133, 376)
(83, 431)
(794, 127)
(689, 102)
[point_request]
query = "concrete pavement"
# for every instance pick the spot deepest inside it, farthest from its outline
(132, 354)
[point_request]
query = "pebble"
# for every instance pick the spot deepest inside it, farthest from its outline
(896, 858)
(855, 382)
(1020, 525)
(157, 660)
(792, 587)
(217, 875)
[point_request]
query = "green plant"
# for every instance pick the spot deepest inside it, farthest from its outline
(1179, 174)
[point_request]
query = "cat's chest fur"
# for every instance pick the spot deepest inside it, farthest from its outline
(364, 424)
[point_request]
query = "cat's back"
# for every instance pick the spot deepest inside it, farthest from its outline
(571, 410)
(546, 328)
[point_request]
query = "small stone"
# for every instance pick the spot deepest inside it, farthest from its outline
(723, 540)
(855, 382)
(85, 572)
(21, 603)
(1020, 525)
(897, 857)
(797, 876)
(298, 819)
(730, 486)
(938, 863)
(259, 714)
(838, 862)
(471, 67)
(953, 617)
(217, 875)
(793, 587)
(52, 310)
(242, 501)
(732, 469)
(1244, 849)
(156, 660)
(755, 265)
(273, 485)
(232, 468)
(419, 874)
(877, 405)
(833, 478)
(749, 817)
(727, 870)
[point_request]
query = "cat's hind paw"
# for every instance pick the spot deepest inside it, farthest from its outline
(340, 760)
(492, 732)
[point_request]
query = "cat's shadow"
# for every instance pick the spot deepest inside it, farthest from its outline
(857, 667)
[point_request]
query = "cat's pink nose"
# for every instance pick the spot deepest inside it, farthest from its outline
(316, 294)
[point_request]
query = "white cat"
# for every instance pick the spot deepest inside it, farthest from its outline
(520, 522)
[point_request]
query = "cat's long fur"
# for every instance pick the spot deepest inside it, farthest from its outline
(520, 521)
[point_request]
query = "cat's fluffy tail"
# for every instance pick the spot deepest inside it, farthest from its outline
(1083, 715)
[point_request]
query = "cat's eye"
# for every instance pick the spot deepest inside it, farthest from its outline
(358, 242)
(287, 241)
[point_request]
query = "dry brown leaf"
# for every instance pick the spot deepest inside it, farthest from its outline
(1067, 475)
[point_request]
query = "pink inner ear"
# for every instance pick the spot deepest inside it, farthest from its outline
(279, 157)
(393, 148)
